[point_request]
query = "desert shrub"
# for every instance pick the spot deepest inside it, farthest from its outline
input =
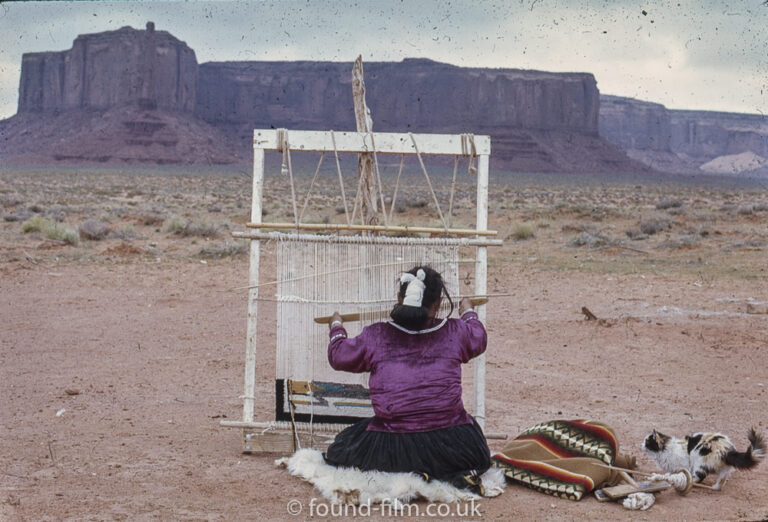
(416, 203)
(635, 234)
(689, 241)
(174, 225)
(522, 231)
(93, 230)
(579, 227)
(192, 229)
(654, 226)
(181, 227)
(745, 210)
(760, 207)
(237, 249)
(126, 233)
(676, 211)
(587, 239)
(34, 224)
(50, 230)
(21, 215)
(151, 218)
(668, 203)
(60, 232)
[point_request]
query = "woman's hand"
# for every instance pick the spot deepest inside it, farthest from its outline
(464, 305)
(336, 318)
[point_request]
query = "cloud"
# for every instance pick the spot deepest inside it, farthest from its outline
(684, 53)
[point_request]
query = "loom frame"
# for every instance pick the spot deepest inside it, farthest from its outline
(351, 142)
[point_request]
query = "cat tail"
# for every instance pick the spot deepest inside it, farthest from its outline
(750, 458)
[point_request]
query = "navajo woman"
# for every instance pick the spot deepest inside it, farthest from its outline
(420, 424)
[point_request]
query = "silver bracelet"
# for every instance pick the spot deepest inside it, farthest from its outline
(334, 323)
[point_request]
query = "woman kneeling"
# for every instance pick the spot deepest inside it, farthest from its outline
(420, 424)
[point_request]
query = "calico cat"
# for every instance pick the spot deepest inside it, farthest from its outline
(704, 453)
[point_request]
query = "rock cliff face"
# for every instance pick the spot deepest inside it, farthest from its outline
(416, 94)
(139, 96)
(538, 121)
(105, 70)
(677, 140)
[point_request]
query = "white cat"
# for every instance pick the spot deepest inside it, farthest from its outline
(703, 453)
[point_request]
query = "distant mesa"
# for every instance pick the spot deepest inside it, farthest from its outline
(139, 96)
(686, 141)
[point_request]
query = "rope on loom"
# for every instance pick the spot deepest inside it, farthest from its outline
(284, 146)
(311, 185)
(639, 501)
(378, 179)
(397, 185)
(341, 180)
(453, 190)
(468, 149)
(429, 182)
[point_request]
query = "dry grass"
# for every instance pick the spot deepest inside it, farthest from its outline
(559, 223)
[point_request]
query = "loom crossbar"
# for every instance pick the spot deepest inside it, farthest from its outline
(361, 142)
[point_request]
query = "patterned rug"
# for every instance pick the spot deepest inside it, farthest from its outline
(564, 458)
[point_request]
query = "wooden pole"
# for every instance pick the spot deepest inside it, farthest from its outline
(253, 291)
(375, 228)
(481, 283)
(364, 123)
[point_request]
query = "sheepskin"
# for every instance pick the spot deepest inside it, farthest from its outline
(351, 486)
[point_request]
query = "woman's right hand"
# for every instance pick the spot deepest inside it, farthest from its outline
(335, 318)
(464, 305)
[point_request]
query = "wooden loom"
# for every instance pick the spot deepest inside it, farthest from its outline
(345, 270)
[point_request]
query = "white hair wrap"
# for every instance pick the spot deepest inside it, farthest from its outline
(414, 292)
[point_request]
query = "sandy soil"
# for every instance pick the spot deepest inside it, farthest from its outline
(120, 357)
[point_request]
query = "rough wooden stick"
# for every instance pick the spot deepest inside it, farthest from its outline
(347, 318)
(646, 474)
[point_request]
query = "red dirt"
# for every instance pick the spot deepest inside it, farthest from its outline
(154, 344)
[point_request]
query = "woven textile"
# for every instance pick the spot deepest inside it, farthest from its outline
(564, 458)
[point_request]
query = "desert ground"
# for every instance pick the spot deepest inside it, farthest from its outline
(123, 334)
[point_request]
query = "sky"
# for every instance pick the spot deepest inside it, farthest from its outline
(686, 54)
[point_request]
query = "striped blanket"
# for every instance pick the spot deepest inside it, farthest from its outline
(564, 458)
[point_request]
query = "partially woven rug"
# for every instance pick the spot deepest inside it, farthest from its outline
(564, 458)
(351, 486)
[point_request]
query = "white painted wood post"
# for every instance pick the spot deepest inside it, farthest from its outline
(253, 291)
(481, 282)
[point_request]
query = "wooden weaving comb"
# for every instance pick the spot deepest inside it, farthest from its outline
(476, 301)
(623, 490)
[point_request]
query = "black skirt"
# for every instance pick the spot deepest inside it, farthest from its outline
(458, 454)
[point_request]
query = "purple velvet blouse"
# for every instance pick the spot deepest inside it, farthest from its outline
(415, 380)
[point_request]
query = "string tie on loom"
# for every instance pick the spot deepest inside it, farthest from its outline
(283, 146)
(414, 292)
(468, 149)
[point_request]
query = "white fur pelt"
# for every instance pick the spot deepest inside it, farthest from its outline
(350, 486)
